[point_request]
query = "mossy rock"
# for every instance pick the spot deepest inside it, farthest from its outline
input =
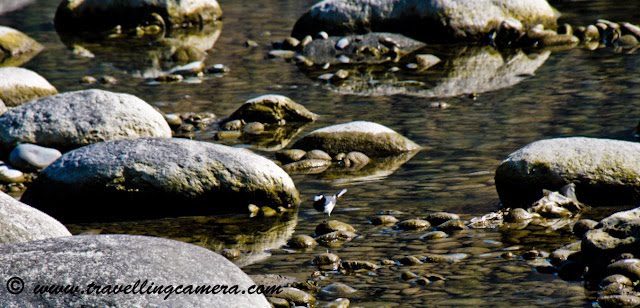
(16, 47)
(20, 85)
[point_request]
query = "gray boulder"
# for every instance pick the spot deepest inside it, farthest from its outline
(16, 47)
(74, 119)
(95, 262)
(603, 170)
(22, 223)
(430, 21)
(271, 109)
(102, 15)
(20, 85)
(370, 138)
(31, 157)
(156, 177)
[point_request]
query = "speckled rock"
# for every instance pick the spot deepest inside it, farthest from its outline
(372, 139)
(122, 259)
(19, 85)
(430, 21)
(605, 171)
(272, 109)
(74, 119)
(152, 176)
(101, 15)
(16, 47)
(22, 223)
(31, 157)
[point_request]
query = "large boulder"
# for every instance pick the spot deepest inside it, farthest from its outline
(272, 109)
(102, 15)
(604, 171)
(99, 265)
(156, 177)
(20, 85)
(370, 138)
(16, 47)
(430, 21)
(22, 223)
(70, 120)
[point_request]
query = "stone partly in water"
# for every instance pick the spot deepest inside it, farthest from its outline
(103, 260)
(429, 21)
(31, 157)
(155, 177)
(16, 47)
(20, 85)
(603, 170)
(370, 138)
(22, 223)
(272, 109)
(74, 119)
(302, 241)
(103, 15)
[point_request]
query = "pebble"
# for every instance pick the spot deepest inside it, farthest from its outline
(322, 35)
(341, 75)
(290, 43)
(326, 77)
(173, 119)
(231, 253)
(218, 69)
(233, 125)
(433, 235)
(408, 275)
(109, 80)
(384, 220)
(353, 266)
(228, 135)
(290, 155)
(253, 210)
(332, 226)
(337, 289)
(278, 302)
(335, 238)
(439, 105)
(410, 260)
(326, 259)
(302, 241)
(356, 159)
(88, 80)
(452, 225)
(344, 59)
(317, 154)
(413, 224)
(338, 303)
(10, 176)
(437, 218)
(251, 43)
(31, 157)
(412, 66)
(426, 61)
(296, 296)
(306, 40)
(266, 211)
(342, 43)
(253, 128)
(284, 54)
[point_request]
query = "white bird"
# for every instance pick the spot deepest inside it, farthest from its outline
(326, 204)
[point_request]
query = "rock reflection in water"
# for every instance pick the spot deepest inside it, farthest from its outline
(254, 237)
(470, 70)
(376, 170)
(147, 56)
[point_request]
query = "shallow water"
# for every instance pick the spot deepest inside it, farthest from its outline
(573, 93)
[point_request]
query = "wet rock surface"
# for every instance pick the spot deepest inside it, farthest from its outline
(272, 109)
(16, 47)
(74, 119)
(189, 173)
(103, 259)
(20, 85)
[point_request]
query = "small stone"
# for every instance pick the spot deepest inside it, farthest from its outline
(322, 35)
(253, 210)
(422, 281)
(233, 125)
(610, 301)
(284, 54)
(302, 241)
(507, 255)
(356, 159)
(412, 66)
(332, 226)
(88, 80)
(618, 279)
(290, 43)
(189, 69)
(317, 154)
(424, 62)
(342, 43)
(278, 302)
(337, 289)
(339, 156)
(388, 262)
(626, 267)
(109, 80)
(410, 260)
(253, 128)
(335, 238)
(326, 77)
(592, 33)
(169, 78)
(31, 157)
(394, 69)
(228, 135)
(384, 220)
(565, 29)
(408, 275)
(353, 266)
(173, 119)
(9, 176)
(338, 303)
(266, 211)
(439, 105)
(452, 225)
(308, 166)
(341, 75)
(251, 43)
(531, 255)
(344, 59)
(433, 235)
(325, 259)
(186, 127)
(290, 155)
(300, 59)
(518, 215)
(306, 40)
(628, 40)
(231, 253)
(413, 224)
(218, 69)
(296, 296)
(437, 218)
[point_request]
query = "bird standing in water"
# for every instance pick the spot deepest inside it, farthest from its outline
(326, 204)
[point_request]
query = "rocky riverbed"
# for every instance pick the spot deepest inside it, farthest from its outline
(479, 162)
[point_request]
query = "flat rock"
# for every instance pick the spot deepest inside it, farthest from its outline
(372, 139)
(70, 120)
(429, 21)
(20, 85)
(605, 171)
(22, 223)
(122, 259)
(102, 15)
(31, 157)
(154, 177)
(16, 47)
(272, 109)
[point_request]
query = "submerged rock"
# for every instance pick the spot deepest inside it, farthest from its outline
(22, 223)
(74, 119)
(16, 47)
(370, 138)
(105, 260)
(604, 171)
(19, 85)
(430, 21)
(272, 109)
(102, 15)
(155, 177)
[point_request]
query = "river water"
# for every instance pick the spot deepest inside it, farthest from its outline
(577, 92)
